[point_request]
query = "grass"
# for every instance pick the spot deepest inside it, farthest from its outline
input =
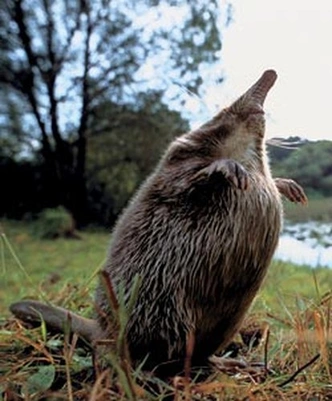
(292, 312)
(317, 209)
(55, 264)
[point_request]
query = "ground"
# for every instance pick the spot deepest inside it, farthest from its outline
(292, 313)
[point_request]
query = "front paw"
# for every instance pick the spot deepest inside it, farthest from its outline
(234, 173)
(291, 190)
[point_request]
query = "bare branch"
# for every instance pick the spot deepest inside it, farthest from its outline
(81, 145)
(50, 75)
(28, 82)
(71, 33)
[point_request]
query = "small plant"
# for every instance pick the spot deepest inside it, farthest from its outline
(55, 223)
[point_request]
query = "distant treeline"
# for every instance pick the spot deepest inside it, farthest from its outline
(120, 159)
(307, 162)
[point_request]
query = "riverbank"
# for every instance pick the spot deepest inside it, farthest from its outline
(316, 210)
(307, 243)
(307, 235)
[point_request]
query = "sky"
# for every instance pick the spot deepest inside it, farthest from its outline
(293, 37)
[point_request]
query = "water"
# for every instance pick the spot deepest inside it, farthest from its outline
(306, 244)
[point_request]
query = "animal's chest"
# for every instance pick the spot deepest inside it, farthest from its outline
(237, 231)
(235, 245)
(253, 216)
(233, 209)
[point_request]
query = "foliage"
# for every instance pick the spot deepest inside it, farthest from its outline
(127, 143)
(62, 59)
(122, 155)
(319, 209)
(22, 192)
(311, 166)
(281, 148)
(42, 380)
(55, 223)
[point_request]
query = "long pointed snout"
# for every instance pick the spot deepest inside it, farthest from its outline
(260, 89)
(255, 96)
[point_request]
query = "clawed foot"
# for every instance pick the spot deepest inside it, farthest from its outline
(234, 173)
(232, 366)
(228, 365)
(291, 190)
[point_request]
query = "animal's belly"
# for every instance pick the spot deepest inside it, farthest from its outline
(248, 236)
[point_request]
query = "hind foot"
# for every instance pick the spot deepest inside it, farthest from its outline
(228, 365)
(232, 366)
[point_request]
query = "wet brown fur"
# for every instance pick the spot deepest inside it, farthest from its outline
(200, 233)
(200, 245)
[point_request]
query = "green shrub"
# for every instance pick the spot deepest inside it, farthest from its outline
(55, 223)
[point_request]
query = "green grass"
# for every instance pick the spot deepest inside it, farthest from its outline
(316, 209)
(293, 301)
(47, 265)
(288, 285)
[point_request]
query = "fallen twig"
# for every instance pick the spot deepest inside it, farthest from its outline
(290, 379)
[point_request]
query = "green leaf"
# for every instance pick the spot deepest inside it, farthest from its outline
(81, 362)
(41, 380)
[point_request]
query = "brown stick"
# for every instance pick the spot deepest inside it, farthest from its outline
(313, 360)
(187, 364)
(267, 337)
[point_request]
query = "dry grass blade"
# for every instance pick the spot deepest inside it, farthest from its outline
(120, 359)
(68, 353)
(37, 346)
(187, 364)
(110, 294)
(266, 337)
(98, 391)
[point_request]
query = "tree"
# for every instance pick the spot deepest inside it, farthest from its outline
(281, 148)
(120, 156)
(311, 166)
(61, 59)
